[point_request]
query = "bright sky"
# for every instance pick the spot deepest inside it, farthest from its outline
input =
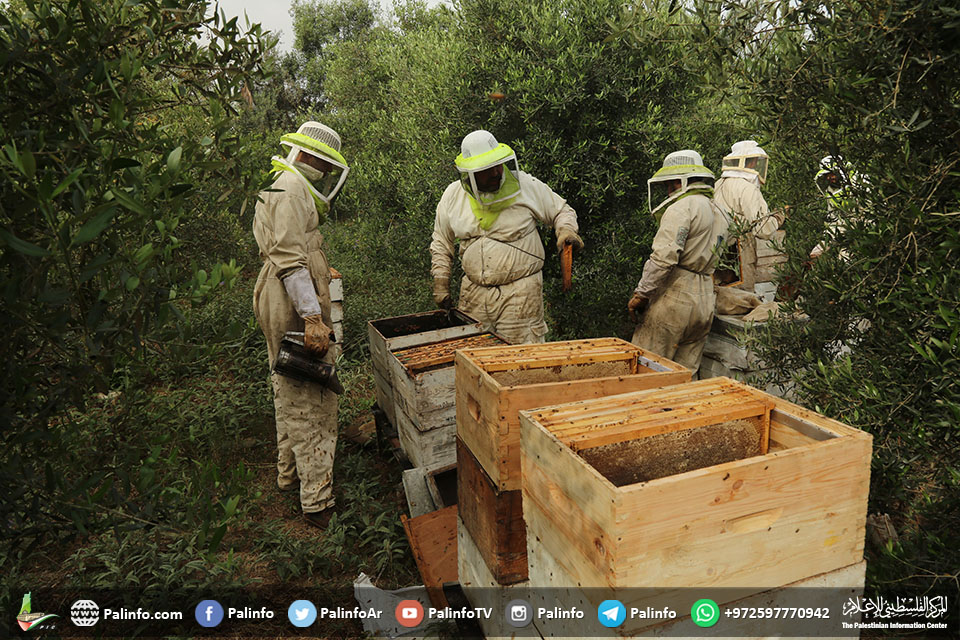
(274, 15)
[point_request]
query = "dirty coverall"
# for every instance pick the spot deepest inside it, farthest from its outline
(742, 200)
(285, 226)
(677, 280)
(503, 282)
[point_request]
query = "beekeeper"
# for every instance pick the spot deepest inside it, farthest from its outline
(293, 294)
(832, 180)
(676, 290)
(493, 211)
(737, 192)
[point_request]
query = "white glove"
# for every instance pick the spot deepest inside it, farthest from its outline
(299, 286)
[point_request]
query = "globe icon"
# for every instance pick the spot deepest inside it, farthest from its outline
(84, 613)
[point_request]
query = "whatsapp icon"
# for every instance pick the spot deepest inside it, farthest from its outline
(705, 613)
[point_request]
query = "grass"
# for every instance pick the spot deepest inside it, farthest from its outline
(172, 475)
(187, 455)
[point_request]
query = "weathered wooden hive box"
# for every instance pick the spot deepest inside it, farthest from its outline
(422, 379)
(401, 332)
(493, 385)
(768, 257)
(725, 355)
(705, 484)
(336, 308)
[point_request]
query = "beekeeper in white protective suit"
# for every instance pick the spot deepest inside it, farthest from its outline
(737, 192)
(676, 289)
(293, 294)
(493, 210)
(833, 180)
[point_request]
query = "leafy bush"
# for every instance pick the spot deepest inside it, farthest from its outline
(875, 83)
(95, 184)
(591, 116)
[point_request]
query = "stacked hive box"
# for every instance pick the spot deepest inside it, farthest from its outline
(423, 390)
(493, 385)
(725, 354)
(791, 512)
(401, 332)
(336, 308)
(768, 257)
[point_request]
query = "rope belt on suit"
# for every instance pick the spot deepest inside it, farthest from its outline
(699, 273)
(512, 246)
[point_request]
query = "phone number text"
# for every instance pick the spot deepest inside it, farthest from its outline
(776, 612)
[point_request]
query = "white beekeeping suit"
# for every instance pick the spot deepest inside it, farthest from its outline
(293, 294)
(676, 289)
(833, 180)
(737, 192)
(493, 210)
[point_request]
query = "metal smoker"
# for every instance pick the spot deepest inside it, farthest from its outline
(295, 361)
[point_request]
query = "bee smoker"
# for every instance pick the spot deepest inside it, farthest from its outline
(295, 361)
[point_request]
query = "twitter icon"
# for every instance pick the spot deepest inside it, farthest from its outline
(302, 613)
(611, 613)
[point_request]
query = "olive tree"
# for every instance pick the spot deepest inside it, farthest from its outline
(98, 171)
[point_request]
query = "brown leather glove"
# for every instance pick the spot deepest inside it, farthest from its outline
(441, 293)
(637, 305)
(316, 335)
(568, 236)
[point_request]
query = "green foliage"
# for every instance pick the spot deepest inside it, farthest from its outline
(875, 83)
(319, 25)
(115, 123)
(130, 162)
(365, 534)
(590, 115)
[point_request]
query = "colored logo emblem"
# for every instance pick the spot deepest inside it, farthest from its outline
(705, 612)
(302, 613)
(84, 613)
(611, 613)
(409, 613)
(28, 619)
(209, 613)
(519, 613)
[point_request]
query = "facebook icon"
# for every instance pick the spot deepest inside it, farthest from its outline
(209, 613)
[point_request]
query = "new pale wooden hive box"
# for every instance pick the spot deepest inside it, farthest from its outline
(761, 522)
(494, 384)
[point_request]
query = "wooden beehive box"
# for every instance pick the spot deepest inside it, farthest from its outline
(401, 332)
(757, 523)
(336, 310)
(483, 590)
(768, 257)
(422, 378)
(494, 384)
(493, 519)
